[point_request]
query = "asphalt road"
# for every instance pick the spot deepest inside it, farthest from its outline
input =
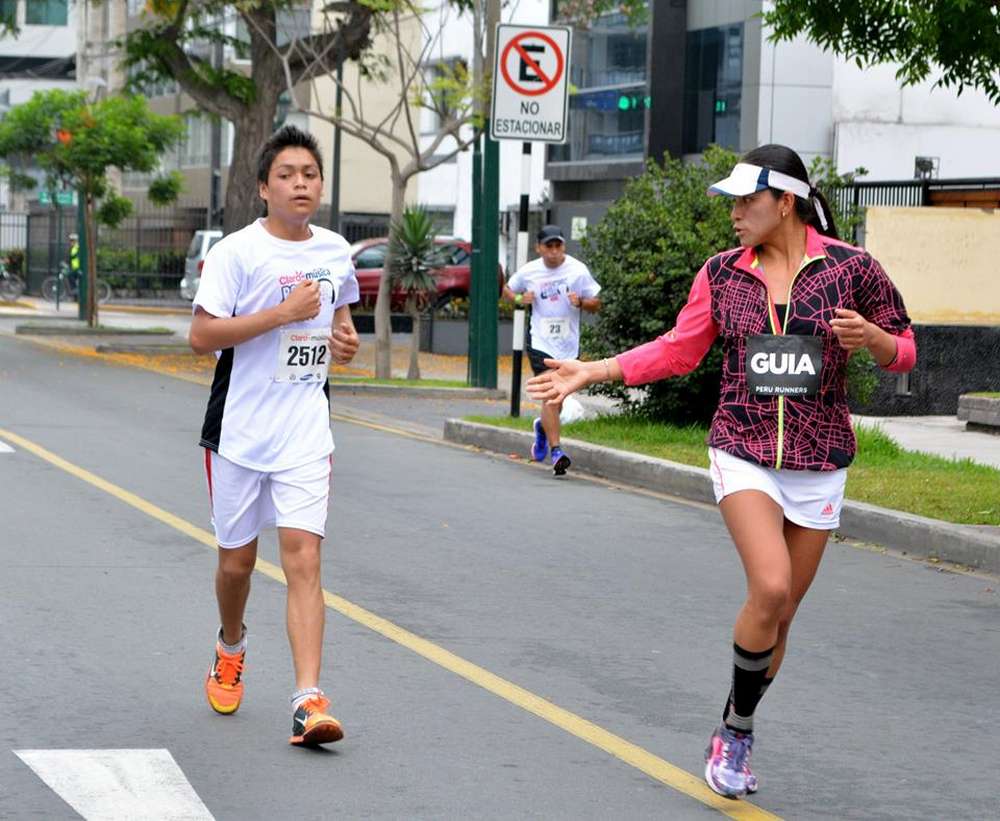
(612, 606)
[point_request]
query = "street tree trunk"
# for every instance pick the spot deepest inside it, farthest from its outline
(90, 237)
(243, 205)
(413, 307)
(383, 315)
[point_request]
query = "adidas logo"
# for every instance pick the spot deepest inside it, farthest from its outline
(828, 510)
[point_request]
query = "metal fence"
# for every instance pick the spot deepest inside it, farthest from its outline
(142, 257)
(354, 226)
(973, 192)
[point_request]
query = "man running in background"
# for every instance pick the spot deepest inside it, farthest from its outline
(557, 287)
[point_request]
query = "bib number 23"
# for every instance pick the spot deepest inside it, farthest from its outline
(302, 357)
(555, 328)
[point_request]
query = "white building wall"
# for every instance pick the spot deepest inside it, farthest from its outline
(56, 42)
(883, 127)
(796, 96)
(41, 41)
(450, 185)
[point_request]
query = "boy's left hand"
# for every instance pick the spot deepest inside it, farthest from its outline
(344, 343)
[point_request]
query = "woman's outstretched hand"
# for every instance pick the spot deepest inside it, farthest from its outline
(565, 376)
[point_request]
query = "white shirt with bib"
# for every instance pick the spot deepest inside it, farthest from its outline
(269, 409)
(555, 323)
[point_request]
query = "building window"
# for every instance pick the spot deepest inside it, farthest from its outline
(197, 145)
(8, 12)
(607, 114)
(713, 80)
(46, 12)
(291, 23)
(196, 150)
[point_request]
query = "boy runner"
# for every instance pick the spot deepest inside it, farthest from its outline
(273, 304)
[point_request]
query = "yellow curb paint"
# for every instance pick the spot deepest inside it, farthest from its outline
(643, 760)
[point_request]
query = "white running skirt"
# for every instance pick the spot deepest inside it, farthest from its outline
(809, 498)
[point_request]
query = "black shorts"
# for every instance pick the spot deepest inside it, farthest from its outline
(535, 358)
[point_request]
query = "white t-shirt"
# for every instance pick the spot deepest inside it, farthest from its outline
(268, 411)
(555, 323)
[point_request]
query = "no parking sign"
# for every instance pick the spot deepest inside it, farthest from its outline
(531, 83)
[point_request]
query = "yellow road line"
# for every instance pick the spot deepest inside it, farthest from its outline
(643, 760)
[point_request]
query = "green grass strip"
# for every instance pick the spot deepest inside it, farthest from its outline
(953, 490)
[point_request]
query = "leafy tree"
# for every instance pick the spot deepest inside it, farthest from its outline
(645, 253)
(838, 188)
(177, 37)
(75, 142)
(961, 38)
(414, 261)
(583, 12)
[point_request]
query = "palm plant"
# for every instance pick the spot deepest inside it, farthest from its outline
(414, 260)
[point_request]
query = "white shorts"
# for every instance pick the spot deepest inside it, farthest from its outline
(809, 498)
(245, 502)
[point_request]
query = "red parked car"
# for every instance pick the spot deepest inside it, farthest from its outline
(453, 280)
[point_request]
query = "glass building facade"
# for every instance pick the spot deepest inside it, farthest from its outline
(673, 84)
(607, 111)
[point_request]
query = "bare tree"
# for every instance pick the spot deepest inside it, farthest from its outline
(175, 35)
(406, 63)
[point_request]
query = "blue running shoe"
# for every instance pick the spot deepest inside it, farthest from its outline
(751, 778)
(727, 762)
(560, 461)
(540, 449)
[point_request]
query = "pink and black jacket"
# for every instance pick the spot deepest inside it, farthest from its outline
(729, 298)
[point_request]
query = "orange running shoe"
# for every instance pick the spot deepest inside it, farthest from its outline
(224, 685)
(312, 725)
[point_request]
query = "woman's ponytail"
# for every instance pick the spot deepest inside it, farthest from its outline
(820, 216)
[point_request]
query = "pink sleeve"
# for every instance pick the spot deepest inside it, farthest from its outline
(906, 353)
(679, 350)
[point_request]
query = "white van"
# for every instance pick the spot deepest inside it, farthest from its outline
(195, 259)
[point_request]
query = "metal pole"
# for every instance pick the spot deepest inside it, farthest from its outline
(215, 149)
(522, 258)
(485, 290)
(59, 230)
(483, 316)
(472, 371)
(335, 221)
(83, 280)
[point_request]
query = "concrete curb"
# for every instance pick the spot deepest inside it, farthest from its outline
(914, 535)
(154, 348)
(980, 412)
(422, 393)
(60, 329)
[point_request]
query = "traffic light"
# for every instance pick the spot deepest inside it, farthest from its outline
(633, 102)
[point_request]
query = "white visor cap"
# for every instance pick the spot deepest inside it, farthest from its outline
(747, 179)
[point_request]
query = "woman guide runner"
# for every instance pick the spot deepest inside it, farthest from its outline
(790, 305)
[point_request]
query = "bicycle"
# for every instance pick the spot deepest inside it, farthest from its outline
(11, 285)
(65, 286)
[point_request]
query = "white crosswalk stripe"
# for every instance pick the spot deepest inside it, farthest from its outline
(114, 785)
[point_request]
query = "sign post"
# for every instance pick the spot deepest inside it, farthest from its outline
(530, 100)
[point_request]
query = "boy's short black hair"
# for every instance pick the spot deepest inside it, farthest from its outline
(287, 136)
